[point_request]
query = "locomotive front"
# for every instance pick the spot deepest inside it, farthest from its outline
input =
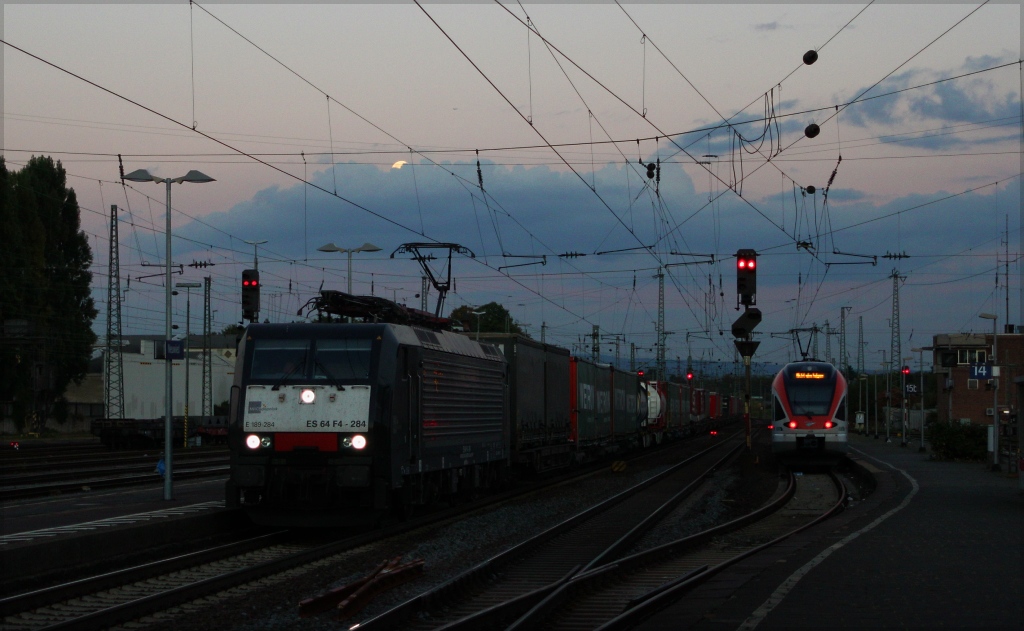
(302, 436)
(808, 411)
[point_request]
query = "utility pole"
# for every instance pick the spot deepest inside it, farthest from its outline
(595, 349)
(423, 293)
(828, 342)
(113, 360)
(543, 332)
(895, 351)
(207, 408)
(843, 360)
(632, 357)
(860, 369)
(661, 325)
(814, 341)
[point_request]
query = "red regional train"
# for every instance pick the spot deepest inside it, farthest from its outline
(808, 412)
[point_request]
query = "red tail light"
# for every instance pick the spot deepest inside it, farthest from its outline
(770, 426)
(829, 424)
(791, 424)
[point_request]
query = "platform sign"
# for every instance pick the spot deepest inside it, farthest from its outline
(981, 371)
(175, 349)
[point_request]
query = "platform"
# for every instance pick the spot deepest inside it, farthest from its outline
(937, 545)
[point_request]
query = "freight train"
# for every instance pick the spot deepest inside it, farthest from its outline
(808, 418)
(333, 422)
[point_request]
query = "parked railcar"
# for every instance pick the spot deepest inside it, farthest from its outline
(329, 421)
(807, 413)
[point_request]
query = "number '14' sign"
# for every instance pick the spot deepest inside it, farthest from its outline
(983, 371)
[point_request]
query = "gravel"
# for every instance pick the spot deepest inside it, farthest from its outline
(272, 604)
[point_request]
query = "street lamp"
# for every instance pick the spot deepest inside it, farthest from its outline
(995, 390)
(188, 346)
(478, 314)
(366, 247)
(195, 177)
(885, 366)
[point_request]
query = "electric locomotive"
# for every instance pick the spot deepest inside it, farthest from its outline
(332, 423)
(808, 412)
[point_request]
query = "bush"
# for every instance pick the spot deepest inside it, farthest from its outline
(955, 441)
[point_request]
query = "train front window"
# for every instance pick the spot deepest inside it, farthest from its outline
(810, 399)
(342, 360)
(279, 359)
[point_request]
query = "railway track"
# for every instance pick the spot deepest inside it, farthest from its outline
(611, 590)
(501, 588)
(43, 475)
(121, 596)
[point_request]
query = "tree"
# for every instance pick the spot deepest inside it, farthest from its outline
(45, 302)
(493, 318)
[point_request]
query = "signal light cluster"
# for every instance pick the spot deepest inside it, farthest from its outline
(746, 276)
(250, 294)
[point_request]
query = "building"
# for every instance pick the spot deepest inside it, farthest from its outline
(967, 394)
(144, 382)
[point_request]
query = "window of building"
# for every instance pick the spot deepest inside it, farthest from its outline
(971, 356)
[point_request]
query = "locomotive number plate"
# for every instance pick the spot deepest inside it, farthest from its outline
(283, 410)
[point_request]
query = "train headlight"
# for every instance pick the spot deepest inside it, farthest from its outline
(307, 396)
(255, 441)
(355, 442)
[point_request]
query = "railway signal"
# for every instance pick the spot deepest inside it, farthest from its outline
(250, 294)
(906, 370)
(746, 276)
(746, 323)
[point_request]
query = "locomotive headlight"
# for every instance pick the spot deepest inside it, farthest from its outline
(355, 442)
(252, 441)
(307, 396)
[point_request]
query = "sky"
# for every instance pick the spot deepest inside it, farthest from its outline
(525, 132)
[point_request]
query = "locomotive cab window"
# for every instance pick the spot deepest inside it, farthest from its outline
(343, 360)
(279, 359)
(810, 399)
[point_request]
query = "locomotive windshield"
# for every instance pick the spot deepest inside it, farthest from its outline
(814, 399)
(343, 359)
(279, 359)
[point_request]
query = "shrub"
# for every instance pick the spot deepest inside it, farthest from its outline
(955, 441)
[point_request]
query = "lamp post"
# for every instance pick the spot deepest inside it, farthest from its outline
(366, 247)
(195, 177)
(188, 346)
(885, 366)
(995, 390)
(862, 396)
(478, 314)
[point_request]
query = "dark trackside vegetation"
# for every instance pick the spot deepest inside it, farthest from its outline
(46, 309)
(956, 441)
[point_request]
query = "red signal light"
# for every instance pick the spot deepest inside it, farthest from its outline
(689, 375)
